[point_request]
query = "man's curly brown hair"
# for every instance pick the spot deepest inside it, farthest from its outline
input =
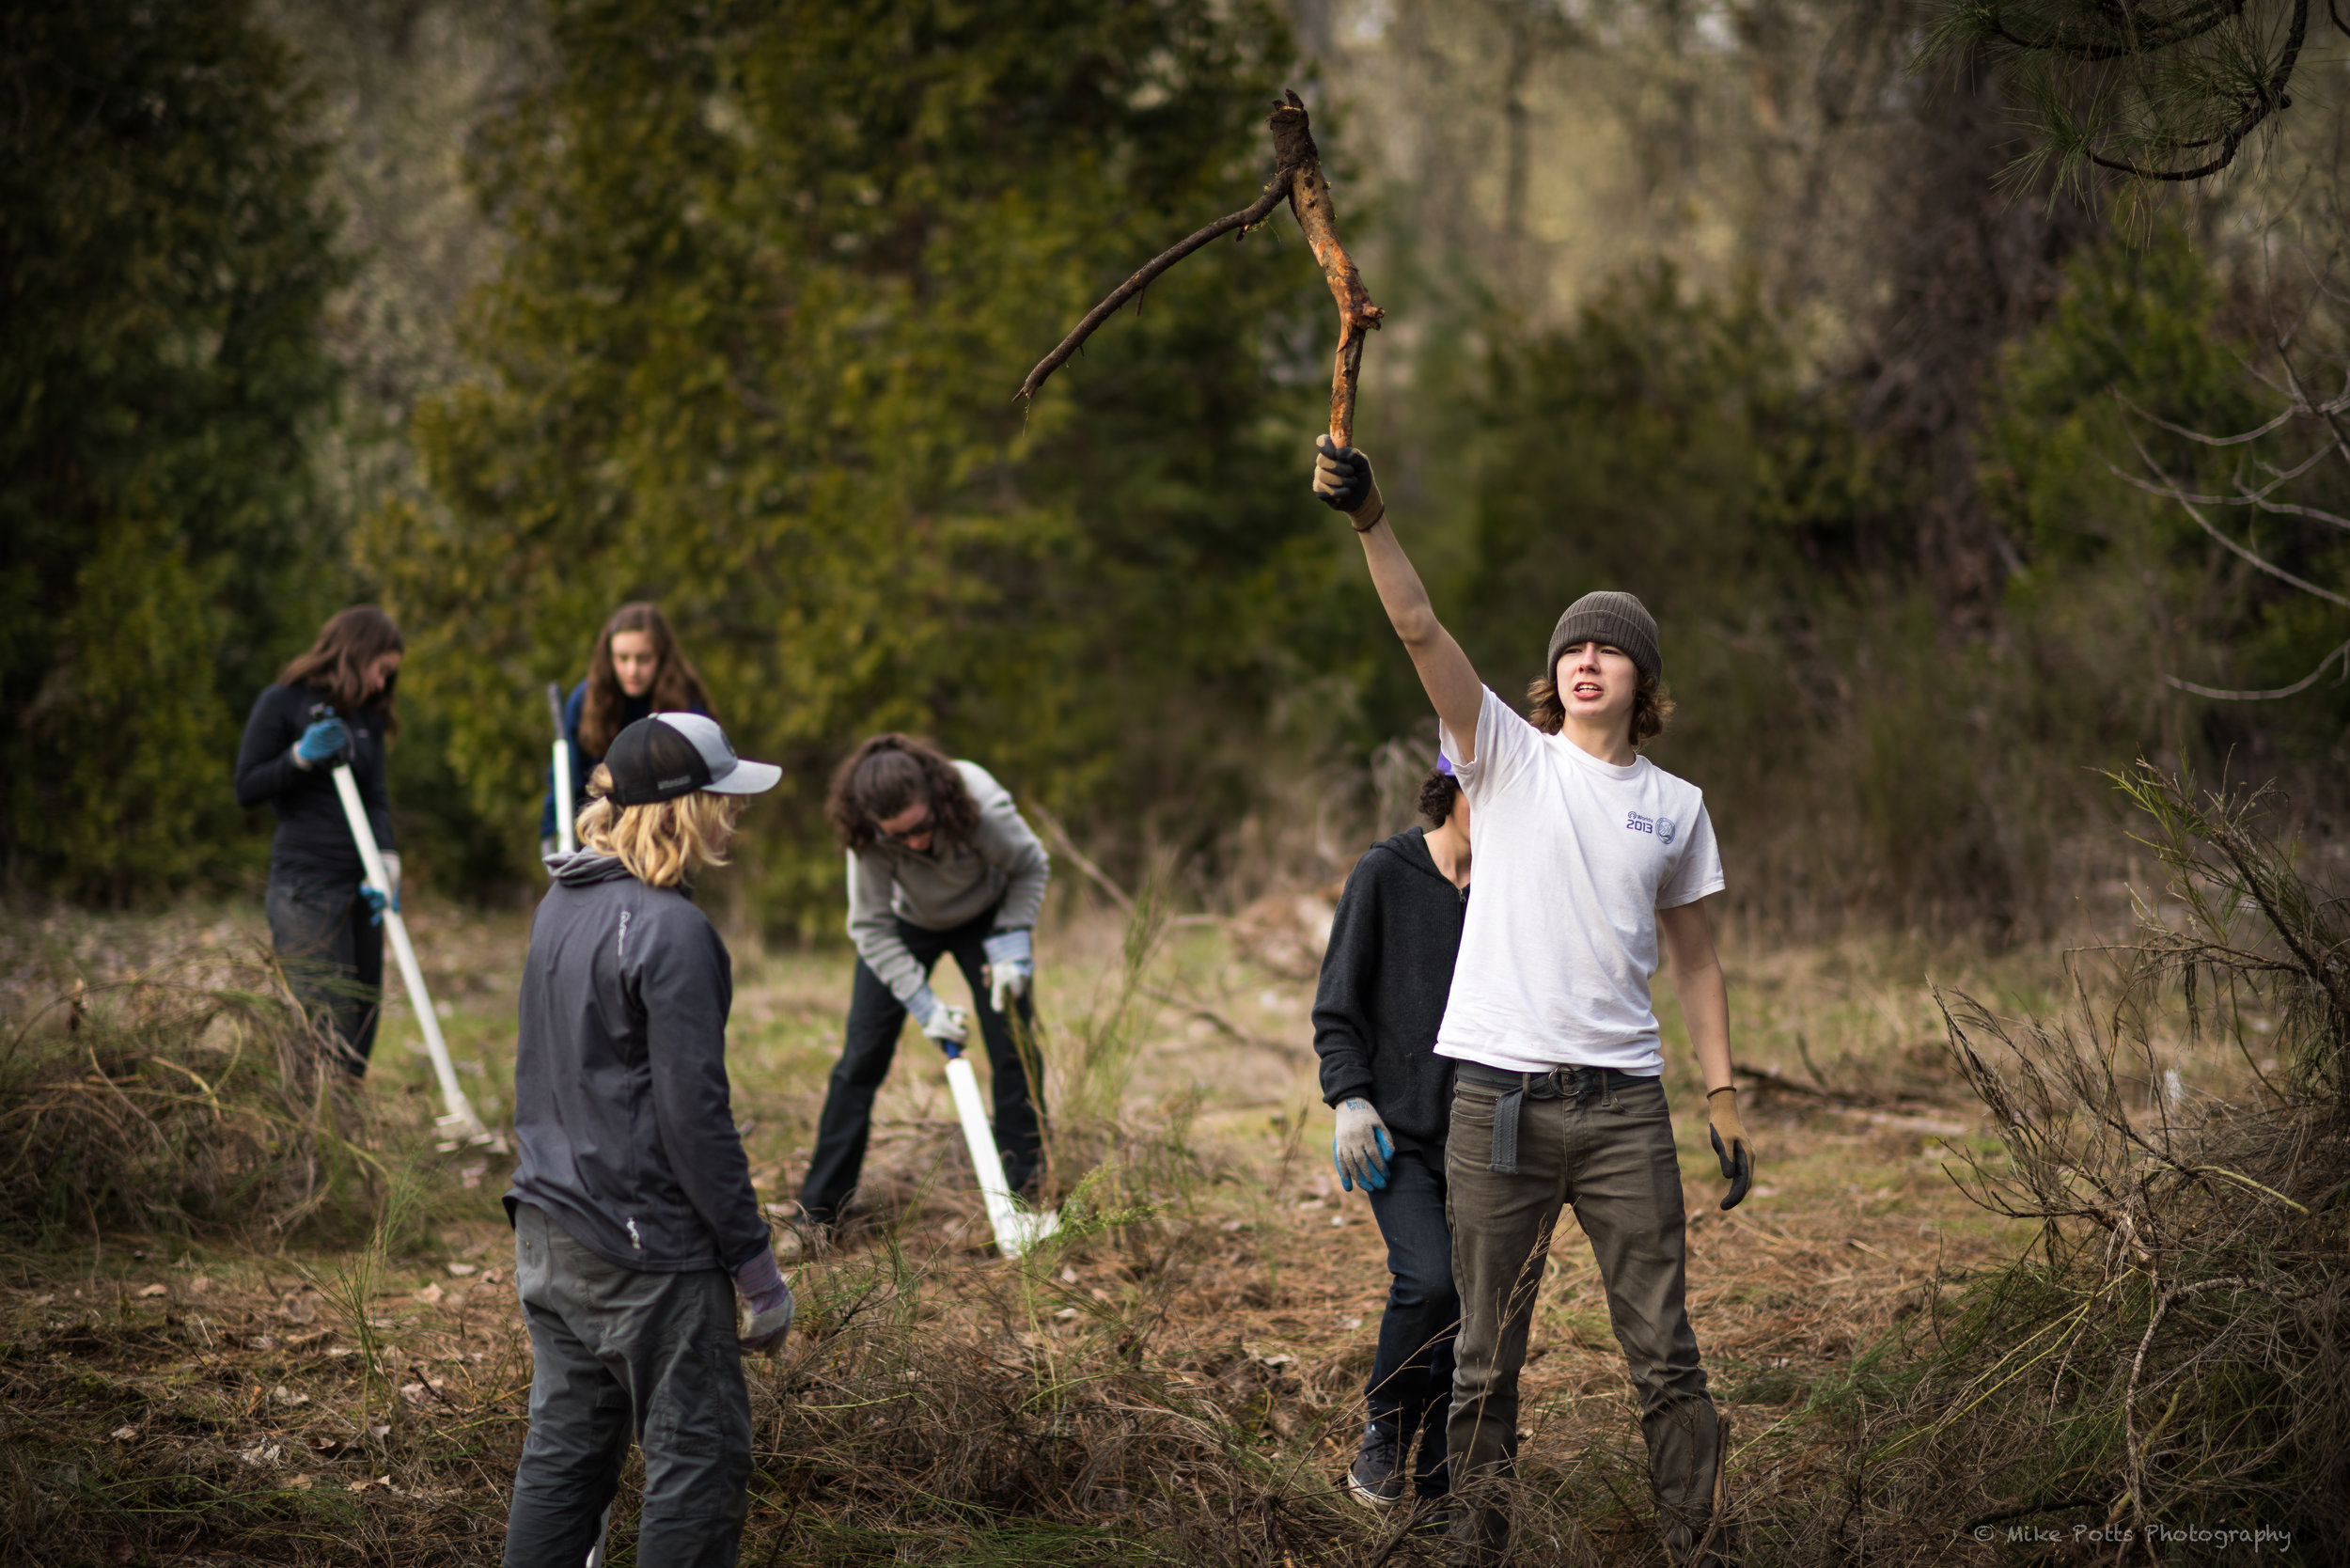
(885, 776)
(1437, 791)
(1651, 705)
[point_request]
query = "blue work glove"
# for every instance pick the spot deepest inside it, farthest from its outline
(761, 1287)
(1362, 1150)
(377, 901)
(324, 741)
(1010, 961)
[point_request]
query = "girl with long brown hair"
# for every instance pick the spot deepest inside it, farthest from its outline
(636, 670)
(331, 704)
(939, 863)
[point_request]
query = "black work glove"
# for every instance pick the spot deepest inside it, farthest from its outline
(1344, 482)
(1737, 1156)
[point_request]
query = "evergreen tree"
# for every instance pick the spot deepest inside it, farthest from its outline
(164, 266)
(774, 271)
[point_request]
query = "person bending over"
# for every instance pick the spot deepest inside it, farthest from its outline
(331, 706)
(635, 1222)
(1592, 863)
(939, 862)
(637, 670)
(1384, 980)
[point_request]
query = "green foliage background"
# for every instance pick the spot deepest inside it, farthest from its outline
(765, 277)
(164, 266)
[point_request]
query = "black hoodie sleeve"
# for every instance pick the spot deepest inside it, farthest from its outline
(265, 763)
(685, 985)
(1342, 1033)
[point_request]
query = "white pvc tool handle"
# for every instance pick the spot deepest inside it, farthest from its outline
(1015, 1231)
(565, 828)
(982, 1137)
(460, 1118)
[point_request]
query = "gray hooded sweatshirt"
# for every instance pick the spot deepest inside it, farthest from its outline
(941, 888)
(621, 1096)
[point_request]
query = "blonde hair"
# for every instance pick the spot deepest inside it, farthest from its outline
(661, 842)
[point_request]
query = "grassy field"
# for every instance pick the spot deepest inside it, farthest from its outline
(1179, 1379)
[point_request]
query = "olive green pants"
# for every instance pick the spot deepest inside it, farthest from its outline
(1600, 1142)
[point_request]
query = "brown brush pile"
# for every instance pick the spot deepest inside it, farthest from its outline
(2163, 1378)
(188, 1097)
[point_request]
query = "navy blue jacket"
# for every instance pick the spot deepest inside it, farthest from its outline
(621, 1104)
(1385, 978)
(313, 846)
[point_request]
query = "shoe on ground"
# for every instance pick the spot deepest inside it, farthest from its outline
(1377, 1478)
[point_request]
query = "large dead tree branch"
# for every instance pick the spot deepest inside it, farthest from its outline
(1298, 179)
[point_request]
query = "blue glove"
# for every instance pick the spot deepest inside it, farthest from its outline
(1361, 1149)
(379, 900)
(323, 741)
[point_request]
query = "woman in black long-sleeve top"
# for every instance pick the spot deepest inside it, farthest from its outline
(331, 704)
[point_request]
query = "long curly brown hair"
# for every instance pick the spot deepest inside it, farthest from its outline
(1651, 705)
(677, 685)
(336, 664)
(885, 776)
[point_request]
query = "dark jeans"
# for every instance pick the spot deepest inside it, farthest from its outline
(1607, 1151)
(1410, 1376)
(333, 957)
(875, 1019)
(620, 1351)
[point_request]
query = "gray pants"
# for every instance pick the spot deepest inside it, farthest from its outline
(1604, 1147)
(615, 1352)
(333, 953)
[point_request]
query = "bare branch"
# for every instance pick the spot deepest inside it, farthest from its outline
(2295, 690)
(1247, 218)
(2171, 488)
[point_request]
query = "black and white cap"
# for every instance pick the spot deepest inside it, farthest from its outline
(669, 754)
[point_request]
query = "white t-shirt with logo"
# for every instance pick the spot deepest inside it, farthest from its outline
(1574, 856)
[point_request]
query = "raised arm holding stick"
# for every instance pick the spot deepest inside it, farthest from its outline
(1592, 862)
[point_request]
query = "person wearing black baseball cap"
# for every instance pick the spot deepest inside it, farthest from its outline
(635, 1222)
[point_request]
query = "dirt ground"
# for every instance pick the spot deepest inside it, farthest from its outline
(250, 1397)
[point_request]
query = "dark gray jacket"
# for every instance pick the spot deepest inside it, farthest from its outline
(1385, 978)
(620, 1103)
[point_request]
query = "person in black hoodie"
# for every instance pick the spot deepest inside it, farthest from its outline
(634, 1221)
(331, 705)
(1385, 978)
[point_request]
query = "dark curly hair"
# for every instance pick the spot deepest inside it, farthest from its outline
(1651, 705)
(1437, 791)
(887, 774)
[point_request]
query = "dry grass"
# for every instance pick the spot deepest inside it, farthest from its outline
(1178, 1380)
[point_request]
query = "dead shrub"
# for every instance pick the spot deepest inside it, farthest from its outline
(2166, 1365)
(192, 1098)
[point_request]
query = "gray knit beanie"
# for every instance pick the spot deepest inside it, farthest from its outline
(1611, 618)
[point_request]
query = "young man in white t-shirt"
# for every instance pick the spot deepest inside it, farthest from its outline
(1592, 863)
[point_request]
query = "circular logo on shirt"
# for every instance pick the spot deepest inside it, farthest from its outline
(1665, 830)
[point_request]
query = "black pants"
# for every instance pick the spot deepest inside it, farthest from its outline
(333, 956)
(614, 1353)
(875, 1018)
(1410, 1376)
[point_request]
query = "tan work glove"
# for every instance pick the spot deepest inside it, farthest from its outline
(1730, 1144)
(1344, 482)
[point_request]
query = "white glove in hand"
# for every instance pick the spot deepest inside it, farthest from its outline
(391, 874)
(949, 1025)
(1362, 1148)
(1010, 960)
